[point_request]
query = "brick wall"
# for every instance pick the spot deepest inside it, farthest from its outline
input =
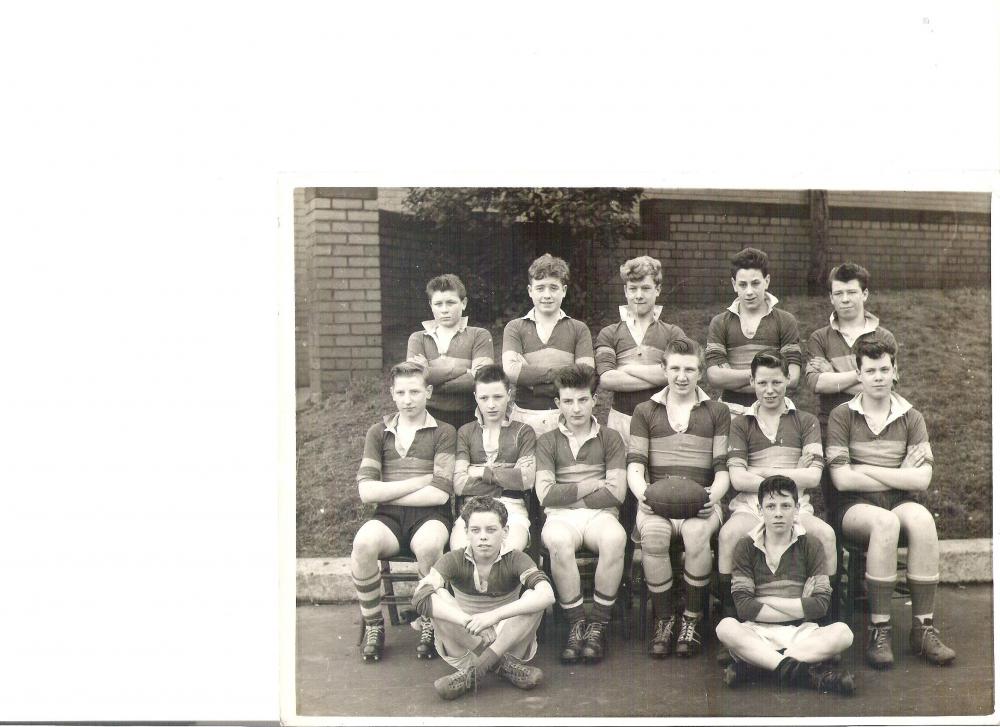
(301, 285)
(413, 253)
(343, 290)
(362, 263)
(903, 248)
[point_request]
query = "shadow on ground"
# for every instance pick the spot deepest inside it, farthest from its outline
(331, 679)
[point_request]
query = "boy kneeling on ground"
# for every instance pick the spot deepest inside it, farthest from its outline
(489, 624)
(780, 588)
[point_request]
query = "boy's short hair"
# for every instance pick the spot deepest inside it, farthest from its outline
(638, 268)
(687, 347)
(769, 358)
(873, 349)
(484, 503)
(577, 376)
(845, 273)
(407, 368)
(491, 374)
(549, 266)
(777, 485)
(749, 258)
(442, 283)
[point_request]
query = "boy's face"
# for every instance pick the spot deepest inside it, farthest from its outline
(875, 375)
(683, 372)
(577, 405)
(848, 298)
(750, 286)
(410, 394)
(641, 295)
(547, 294)
(770, 385)
(485, 534)
(492, 399)
(779, 512)
(447, 307)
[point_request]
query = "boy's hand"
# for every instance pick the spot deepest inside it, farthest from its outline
(481, 622)
(488, 636)
(477, 470)
(820, 365)
(804, 461)
(707, 510)
(810, 584)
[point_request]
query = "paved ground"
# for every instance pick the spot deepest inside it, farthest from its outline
(332, 680)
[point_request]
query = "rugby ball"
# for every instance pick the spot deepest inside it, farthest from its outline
(676, 497)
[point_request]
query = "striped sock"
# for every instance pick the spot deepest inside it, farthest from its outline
(880, 594)
(922, 592)
(369, 589)
(602, 607)
(573, 608)
(662, 596)
(697, 588)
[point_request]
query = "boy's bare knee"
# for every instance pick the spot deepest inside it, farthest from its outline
(612, 542)
(842, 635)
(727, 629)
(558, 542)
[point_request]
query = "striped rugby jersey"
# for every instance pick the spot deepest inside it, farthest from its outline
(569, 341)
(591, 476)
(509, 471)
(728, 346)
(803, 560)
(511, 571)
(469, 348)
(798, 434)
(850, 440)
(432, 452)
(616, 345)
(697, 453)
(828, 345)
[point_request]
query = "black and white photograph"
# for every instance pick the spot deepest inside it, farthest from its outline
(642, 452)
(523, 363)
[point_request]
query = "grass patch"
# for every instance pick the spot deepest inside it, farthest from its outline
(945, 372)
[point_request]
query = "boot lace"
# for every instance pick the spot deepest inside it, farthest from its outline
(426, 630)
(373, 634)
(594, 631)
(577, 633)
(664, 629)
(688, 629)
(929, 638)
(881, 635)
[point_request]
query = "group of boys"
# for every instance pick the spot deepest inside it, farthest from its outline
(527, 425)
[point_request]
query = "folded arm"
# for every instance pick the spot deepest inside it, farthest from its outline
(379, 491)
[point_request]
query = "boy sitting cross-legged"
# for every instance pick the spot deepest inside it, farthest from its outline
(780, 587)
(499, 599)
(407, 469)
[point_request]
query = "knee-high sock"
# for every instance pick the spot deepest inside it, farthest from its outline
(602, 607)
(697, 589)
(880, 594)
(573, 608)
(662, 596)
(922, 591)
(369, 589)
